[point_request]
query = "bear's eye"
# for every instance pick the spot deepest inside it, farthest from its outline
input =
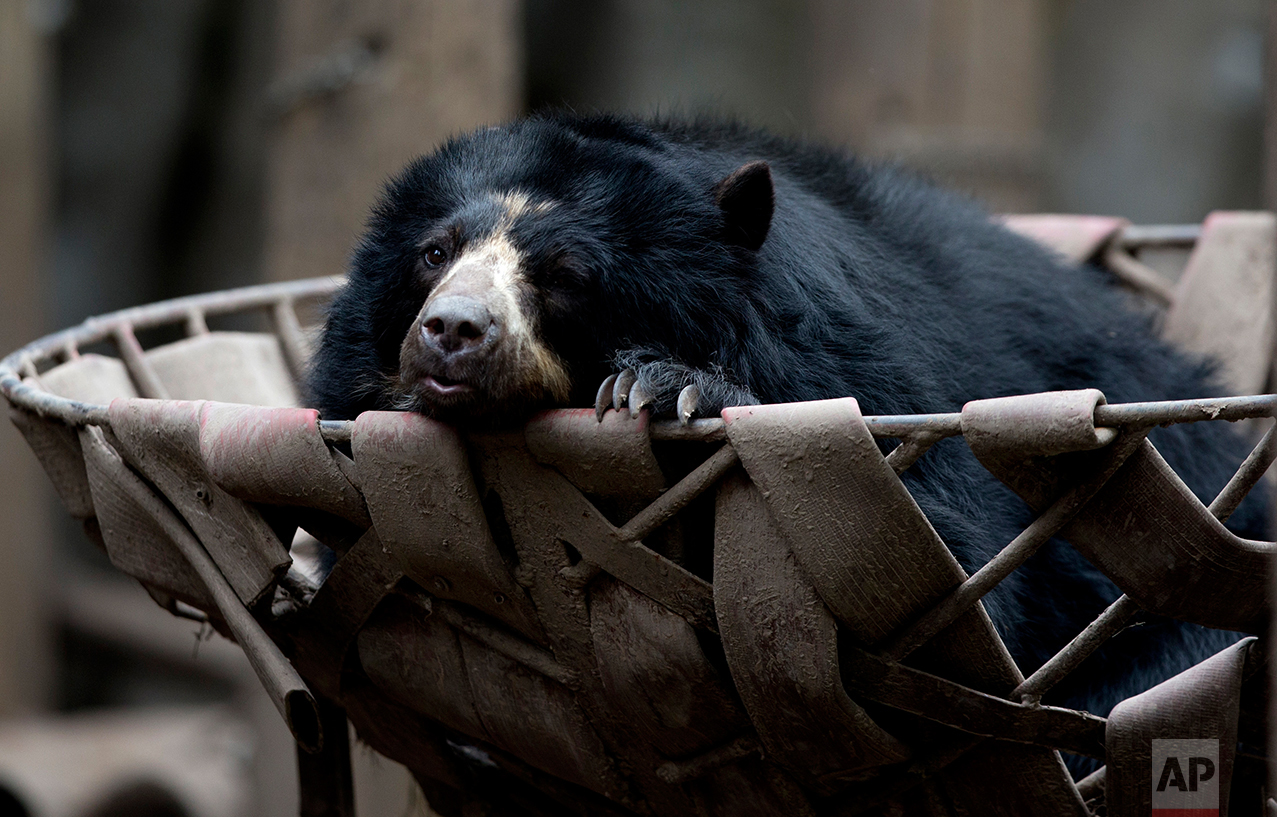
(567, 275)
(434, 256)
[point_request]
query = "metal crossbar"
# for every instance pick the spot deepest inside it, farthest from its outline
(1014, 554)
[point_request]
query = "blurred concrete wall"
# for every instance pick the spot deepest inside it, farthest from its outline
(730, 57)
(147, 162)
(1156, 107)
(953, 88)
(1270, 120)
(1145, 108)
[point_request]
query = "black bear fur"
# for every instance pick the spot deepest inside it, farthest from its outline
(773, 271)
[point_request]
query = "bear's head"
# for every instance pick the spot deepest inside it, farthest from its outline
(503, 273)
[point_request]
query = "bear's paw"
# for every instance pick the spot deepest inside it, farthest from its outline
(669, 389)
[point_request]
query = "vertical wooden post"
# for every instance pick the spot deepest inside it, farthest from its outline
(362, 88)
(1270, 202)
(1270, 108)
(24, 495)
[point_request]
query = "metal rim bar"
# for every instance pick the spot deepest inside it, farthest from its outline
(176, 310)
(910, 425)
(190, 312)
(1148, 236)
(118, 328)
(1171, 412)
(935, 427)
(939, 426)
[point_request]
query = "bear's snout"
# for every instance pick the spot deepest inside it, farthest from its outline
(475, 349)
(458, 324)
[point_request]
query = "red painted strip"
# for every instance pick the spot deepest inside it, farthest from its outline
(1185, 812)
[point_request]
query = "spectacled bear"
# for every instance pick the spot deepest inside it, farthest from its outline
(519, 267)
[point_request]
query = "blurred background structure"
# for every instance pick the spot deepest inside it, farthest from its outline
(152, 148)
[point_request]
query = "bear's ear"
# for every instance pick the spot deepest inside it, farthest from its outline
(746, 199)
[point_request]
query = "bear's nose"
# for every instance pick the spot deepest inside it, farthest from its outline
(456, 323)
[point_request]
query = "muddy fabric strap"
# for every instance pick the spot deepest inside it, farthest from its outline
(161, 440)
(415, 475)
(1159, 743)
(276, 456)
(875, 562)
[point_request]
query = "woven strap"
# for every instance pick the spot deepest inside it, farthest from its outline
(1200, 703)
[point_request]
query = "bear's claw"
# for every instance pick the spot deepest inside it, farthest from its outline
(603, 401)
(688, 401)
(621, 388)
(639, 399)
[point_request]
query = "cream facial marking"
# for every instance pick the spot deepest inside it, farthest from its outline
(491, 271)
(495, 256)
(517, 203)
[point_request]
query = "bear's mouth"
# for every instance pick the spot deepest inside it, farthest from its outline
(438, 385)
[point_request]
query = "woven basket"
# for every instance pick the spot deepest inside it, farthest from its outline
(524, 620)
